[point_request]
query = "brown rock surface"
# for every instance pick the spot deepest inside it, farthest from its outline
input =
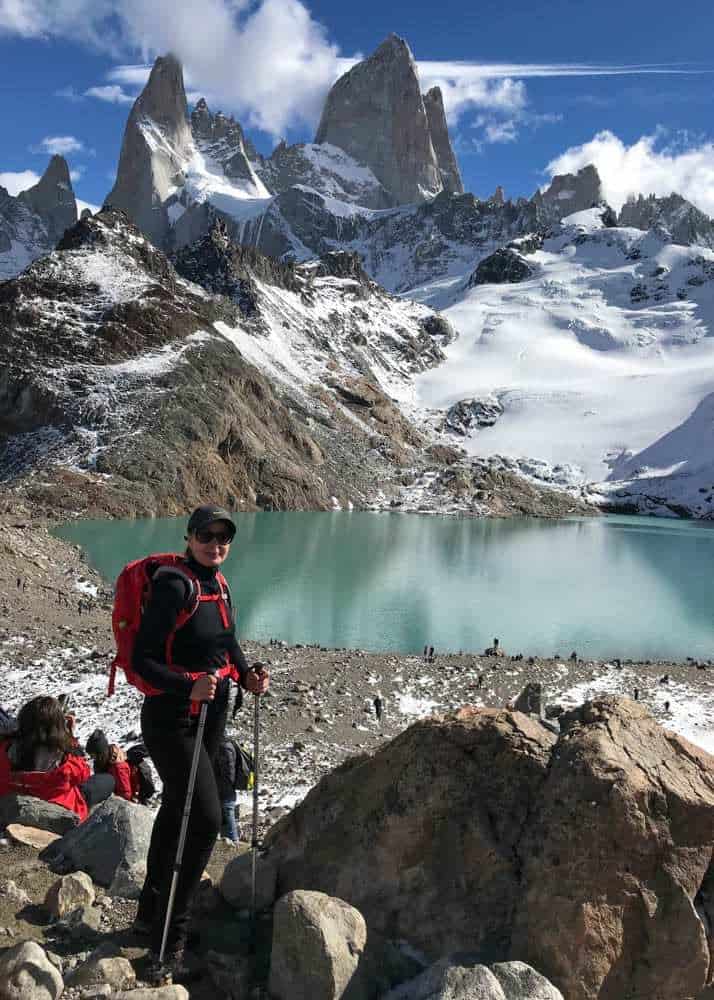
(615, 858)
(427, 826)
(587, 856)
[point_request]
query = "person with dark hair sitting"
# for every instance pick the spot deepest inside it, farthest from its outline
(110, 763)
(42, 759)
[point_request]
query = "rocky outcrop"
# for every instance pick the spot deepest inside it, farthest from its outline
(376, 113)
(156, 147)
(468, 415)
(674, 215)
(29, 811)
(450, 173)
(568, 193)
(587, 856)
(52, 199)
(502, 267)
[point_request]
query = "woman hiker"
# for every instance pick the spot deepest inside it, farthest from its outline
(188, 665)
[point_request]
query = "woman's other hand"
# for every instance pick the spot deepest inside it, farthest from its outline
(257, 680)
(204, 689)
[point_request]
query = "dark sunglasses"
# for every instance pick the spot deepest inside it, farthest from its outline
(222, 537)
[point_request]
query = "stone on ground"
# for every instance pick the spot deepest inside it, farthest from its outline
(318, 943)
(236, 882)
(26, 973)
(103, 967)
(12, 892)
(31, 836)
(69, 893)
(530, 700)
(111, 845)
(450, 979)
(29, 811)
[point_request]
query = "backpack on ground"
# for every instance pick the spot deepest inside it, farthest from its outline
(245, 769)
(142, 776)
(131, 595)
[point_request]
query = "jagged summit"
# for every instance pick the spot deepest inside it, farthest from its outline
(568, 193)
(376, 113)
(674, 215)
(52, 198)
(156, 148)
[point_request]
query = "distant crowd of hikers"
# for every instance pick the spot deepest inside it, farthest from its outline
(174, 625)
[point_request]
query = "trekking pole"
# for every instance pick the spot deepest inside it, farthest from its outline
(184, 823)
(254, 841)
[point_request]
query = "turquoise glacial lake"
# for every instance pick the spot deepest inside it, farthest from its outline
(607, 587)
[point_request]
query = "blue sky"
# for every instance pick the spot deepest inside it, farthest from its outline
(69, 68)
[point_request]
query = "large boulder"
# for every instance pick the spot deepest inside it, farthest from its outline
(458, 978)
(111, 846)
(26, 973)
(29, 811)
(318, 943)
(588, 856)
(422, 836)
(617, 860)
(505, 266)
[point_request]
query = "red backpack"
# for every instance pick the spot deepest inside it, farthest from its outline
(131, 595)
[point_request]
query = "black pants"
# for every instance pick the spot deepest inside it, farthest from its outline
(170, 734)
(97, 788)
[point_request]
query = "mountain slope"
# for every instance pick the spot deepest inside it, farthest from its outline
(602, 351)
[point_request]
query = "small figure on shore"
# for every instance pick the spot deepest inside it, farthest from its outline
(431, 654)
(618, 663)
(79, 609)
(19, 583)
(426, 654)
(494, 650)
(637, 694)
(379, 707)
(479, 682)
(666, 706)
(574, 656)
(665, 679)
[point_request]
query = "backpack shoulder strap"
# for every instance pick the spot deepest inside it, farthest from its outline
(191, 583)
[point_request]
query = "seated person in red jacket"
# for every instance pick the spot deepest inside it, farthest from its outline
(110, 759)
(41, 759)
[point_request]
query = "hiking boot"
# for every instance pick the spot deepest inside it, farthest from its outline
(172, 970)
(144, 918)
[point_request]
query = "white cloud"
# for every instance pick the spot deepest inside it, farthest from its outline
(461, 94)
(649, 166)
(111, 93)
(19, 181)
(69, 93)
(130, 75)
(504, 131)
(59, 145)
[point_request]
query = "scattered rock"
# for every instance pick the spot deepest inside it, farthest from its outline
(175, 992)
(111, 845)
(530, 700)
(31, 836)
(29, 811)
(26, 973)
(521, 982)
(318, 943)
(69, 893)
(15, 894)
(103, 967)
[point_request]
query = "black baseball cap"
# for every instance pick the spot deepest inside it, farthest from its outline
(207, 514)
